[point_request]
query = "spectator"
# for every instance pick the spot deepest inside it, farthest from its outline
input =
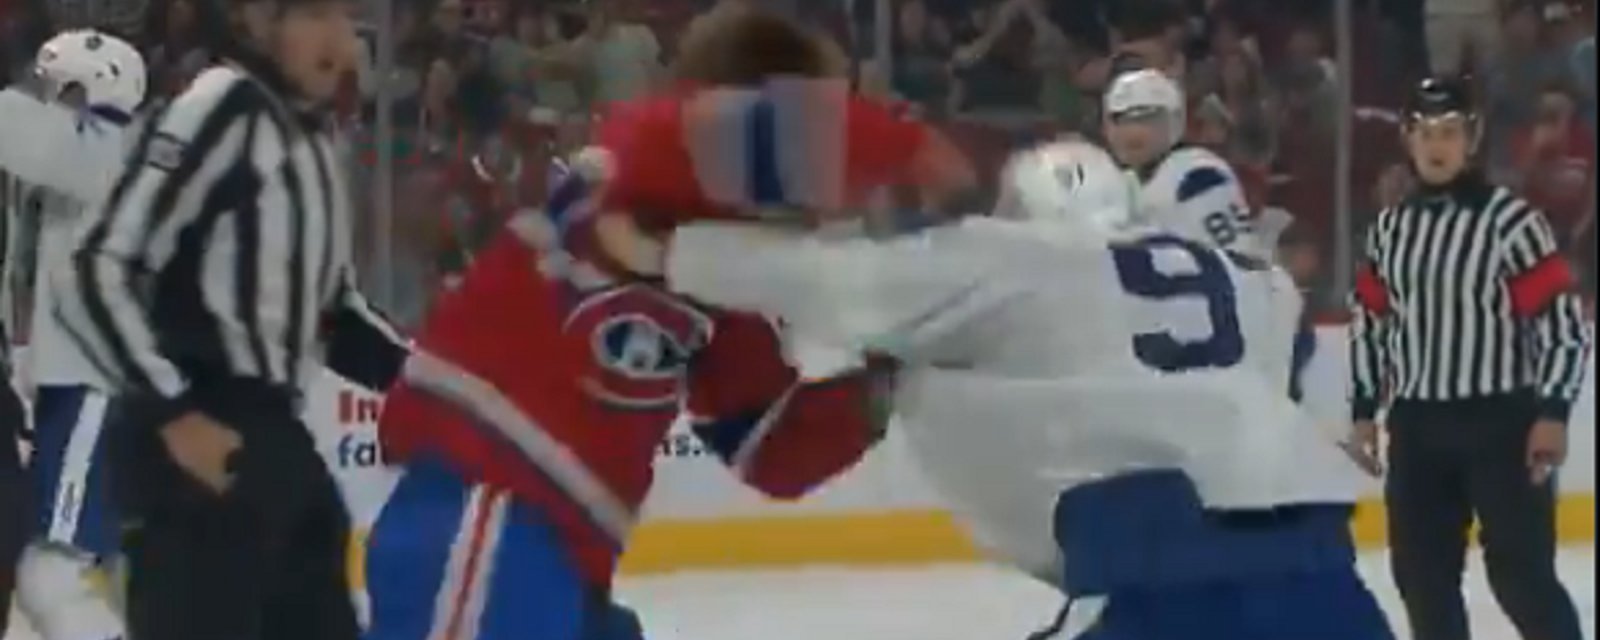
(536, 61)
(623, 57)
(437, 129)
(994, 65)
(1235, 77)
(1554, 157)
(1458, 30)
(1149, 34)
(921, 57)
(179, 54)
(449, 20)
(1514, 78)
(1216, 127)
(1307, 82)
(1570, 33)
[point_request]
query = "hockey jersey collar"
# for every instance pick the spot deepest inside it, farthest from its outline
(1471, 188)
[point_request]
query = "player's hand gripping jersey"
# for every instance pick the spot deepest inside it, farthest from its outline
(550, 373)
(1049, 350)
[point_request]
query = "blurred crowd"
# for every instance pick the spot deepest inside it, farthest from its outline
(481, 93)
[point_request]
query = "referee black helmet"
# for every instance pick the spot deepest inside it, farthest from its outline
(1442, 129)
(1436, 99)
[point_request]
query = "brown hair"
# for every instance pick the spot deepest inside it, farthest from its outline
(735, 45)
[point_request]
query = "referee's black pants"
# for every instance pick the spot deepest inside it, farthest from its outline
(264, 561)
(1447, 462)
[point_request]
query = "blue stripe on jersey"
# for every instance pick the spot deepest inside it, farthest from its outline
(1200, 180)
(766, 181)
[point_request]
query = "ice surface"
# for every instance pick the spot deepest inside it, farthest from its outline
(954, 602)
(958, 602)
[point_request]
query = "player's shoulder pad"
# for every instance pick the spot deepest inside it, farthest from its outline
(1197, 172)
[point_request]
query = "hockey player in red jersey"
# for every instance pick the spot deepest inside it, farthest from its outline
(540, 389)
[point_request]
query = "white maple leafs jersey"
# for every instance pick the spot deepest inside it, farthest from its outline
(66, 163)
(1036, 359)
(1195, 194)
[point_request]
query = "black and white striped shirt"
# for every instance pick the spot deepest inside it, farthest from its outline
(224, 249)
(1464, 294)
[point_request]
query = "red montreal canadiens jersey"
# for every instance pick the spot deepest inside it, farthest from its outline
(542, 375)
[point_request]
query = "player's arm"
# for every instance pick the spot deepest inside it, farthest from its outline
(1370, 313)
(887, 296)
(782, 431)
(182, 160)
(887, 149)
(49, 145)
(1542, 285)
(363, 346)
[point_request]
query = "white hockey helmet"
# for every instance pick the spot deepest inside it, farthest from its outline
(1073, 182)
(1148, 93)
(111, 71)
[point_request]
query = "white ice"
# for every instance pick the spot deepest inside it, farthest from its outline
(955, 602)
(949, 602)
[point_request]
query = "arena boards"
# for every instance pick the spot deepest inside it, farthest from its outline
(882, 512)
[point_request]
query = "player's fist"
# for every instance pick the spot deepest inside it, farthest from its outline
(1362, 447)
(202, 447)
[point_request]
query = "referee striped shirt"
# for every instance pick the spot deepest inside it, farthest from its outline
(224, 250)
(1463, 295)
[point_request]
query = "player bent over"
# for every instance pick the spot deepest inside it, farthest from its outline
(64, 138)
(1105, 405)
(529, 416)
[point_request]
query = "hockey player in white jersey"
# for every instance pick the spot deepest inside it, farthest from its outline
(1186, 190)
(1104, 405)
(64, 135)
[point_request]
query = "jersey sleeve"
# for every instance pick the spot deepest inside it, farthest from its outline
(51, 146)
(1369, 325)
(1209, 203)
(782, 433)
(889, 297)
(882, 145)
(1541, 284)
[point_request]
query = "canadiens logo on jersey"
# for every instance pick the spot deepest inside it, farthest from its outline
(641, 340)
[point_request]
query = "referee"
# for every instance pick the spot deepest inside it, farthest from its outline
(1467, 324)
(208, 292)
